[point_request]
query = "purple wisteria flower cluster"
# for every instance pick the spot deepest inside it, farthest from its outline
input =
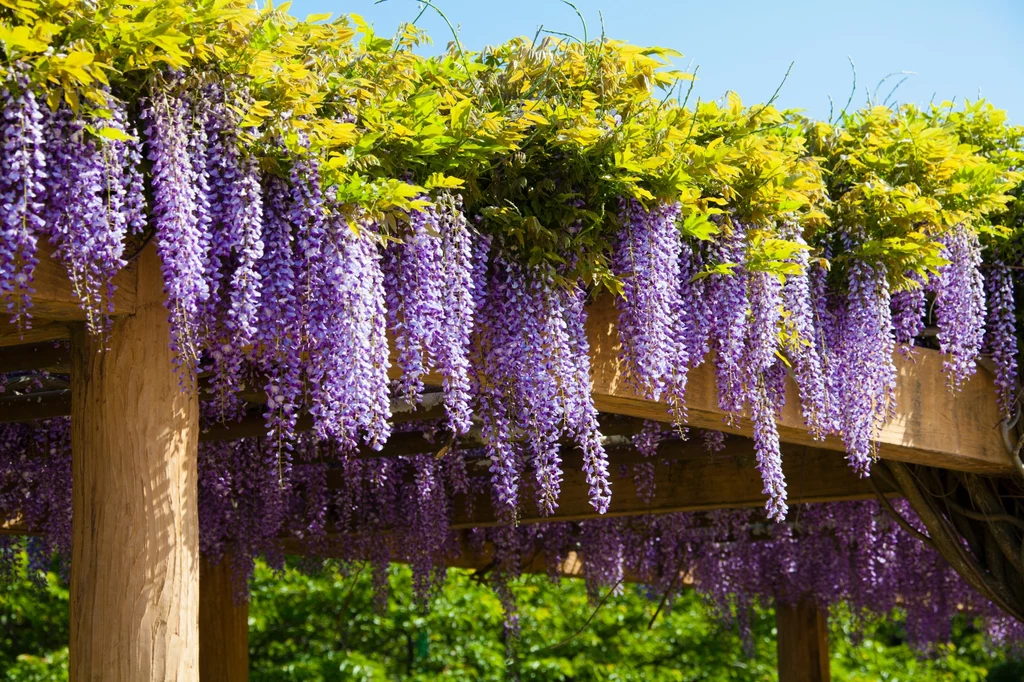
(401, 509)
(320, 312)
(1001, 335)
(960, 304)
(535, 384)
(21, 194)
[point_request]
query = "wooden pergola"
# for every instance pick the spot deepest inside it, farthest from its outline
(145, 607)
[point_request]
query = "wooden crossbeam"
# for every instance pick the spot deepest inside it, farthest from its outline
(687, 479)
(45, 405)
(40, 330)
(932, 426)
(54, 298)
(39, 355)
(692, 480)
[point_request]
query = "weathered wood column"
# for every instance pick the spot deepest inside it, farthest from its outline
(223, 627)
(135, 545)
(802, 642)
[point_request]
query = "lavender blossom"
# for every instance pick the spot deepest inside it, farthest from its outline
(21, 192)
(1001, 335)
(960, 305)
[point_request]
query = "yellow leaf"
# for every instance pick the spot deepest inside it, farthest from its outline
(71, 97)
(114, 134)
(534, 117)
(460, 112)
(77, 59)
(441, 181)
(401, 130)
(21, 38)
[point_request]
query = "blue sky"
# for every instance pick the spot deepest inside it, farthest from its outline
(956, 48)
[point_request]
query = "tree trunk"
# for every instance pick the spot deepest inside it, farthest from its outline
(135, 544)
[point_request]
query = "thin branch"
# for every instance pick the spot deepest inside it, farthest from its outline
(664, 599)
(903, 523)
(775, 95)
(853, 90)
(582, 20)
(576, 634)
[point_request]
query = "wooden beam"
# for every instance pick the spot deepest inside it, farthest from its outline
(223, 626)
(692, 481)
(55, 299)
(39, 355)
(41, 330)
(934, 427)
(44, 405)
(802, 640)
(134, 590)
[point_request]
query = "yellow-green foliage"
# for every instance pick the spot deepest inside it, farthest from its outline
(541, 138)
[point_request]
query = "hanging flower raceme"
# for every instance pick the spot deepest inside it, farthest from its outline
(864, 350)
(84, 211)
(729, 307)
(432, 542)
(413, 278)
(278, 336)
(960, 305)
(714, 441)
(536, 382)
(801, 333)
(429, 287)
(180, 209)
(646, 259)
(580, 412)
(235, 247)
(348, 362)
(217, 494)
(603, 557)
(693, 332)
(765, 295)
(908, 311)
(458, 293)
(35, 489)
(21, 193)
(646, 441)
(501, 356)
(1001, 335)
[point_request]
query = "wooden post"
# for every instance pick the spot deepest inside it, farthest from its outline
(802, 642)
(135, 531)
(223, 626)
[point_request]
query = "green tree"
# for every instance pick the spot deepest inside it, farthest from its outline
(324, 627)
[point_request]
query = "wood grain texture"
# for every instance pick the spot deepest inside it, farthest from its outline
(41, 330)
(54, 297)
(802, 642)
(223, 626)
(135, 542)
(932, 426)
